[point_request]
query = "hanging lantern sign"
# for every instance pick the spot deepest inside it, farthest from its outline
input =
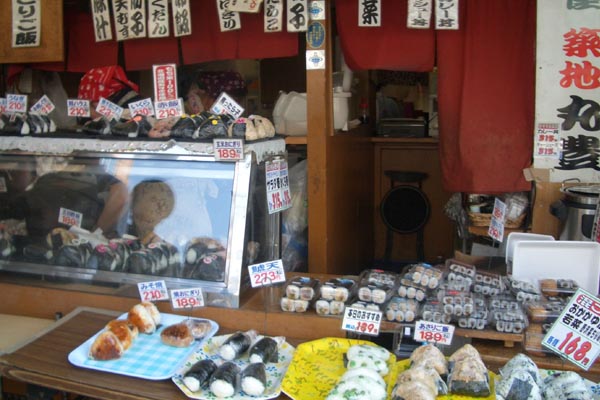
(137, 19)
(26, 23)
(369, 13)
(419, 14)
(229, 20)
(273, 15)
(446, 14)
(297, 16)
(121, 17)
(101, 16)
(158, 18)
(248, 6)
(182, 20)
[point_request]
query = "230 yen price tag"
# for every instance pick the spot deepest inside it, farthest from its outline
(362, 321)
(109, 109)
(266, 273)
(432, 332)
(153, 291)
(575, 334)
(228, 149)
(187, 298)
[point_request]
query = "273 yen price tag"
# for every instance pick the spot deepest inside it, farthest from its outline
(266, 273)
(362, 321)
(187, 298)
(228, 149)
(433, 332)
(153, 291)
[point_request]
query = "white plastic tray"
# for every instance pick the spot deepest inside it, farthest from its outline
(560, 259)
(516, 237)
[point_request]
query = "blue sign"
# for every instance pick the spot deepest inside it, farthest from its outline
(315, 36)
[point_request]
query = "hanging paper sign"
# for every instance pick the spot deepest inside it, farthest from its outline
(229, 20)
(273, 15)
(16, 103)
(496, 228)
(228, 149)
(78, 108)
(575, 334)
(109, 109)
(361, 321)
(248, 6)
(69, 217)
(419, 14)
(165, 82)
(316, 10)
(2, 105)
(158, 18)
(187, 298)
(315, 59)
(168, 108)
(153, 291)
(277, 185)
(266, 273)
(297, 15)
(101, 17)
(547, 140)
(226, 105)
(446, 14)
(433, 332)
(182, 20)
(26, 23)
(121, 17)
(43, 106)
(137, 19)
(369, 13)
(141, 107)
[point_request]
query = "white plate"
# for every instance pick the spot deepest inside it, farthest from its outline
(209, 350)
(147, 357)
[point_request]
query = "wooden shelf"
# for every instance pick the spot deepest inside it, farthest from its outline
(295, 140)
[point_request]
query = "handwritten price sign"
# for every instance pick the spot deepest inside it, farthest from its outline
(16, 103)
(496, 229)
(109, 109)
(153, 291)
(226, 105)
(266, 273)
(78, 108)
(2, 105)
(228, 149)
(251, 6)
(69, 217)
(168, 108)
(142, 107)
(432, 332)
(362, 321)
(187, 298)
(43, 106)
(575, 334)
(277, 185)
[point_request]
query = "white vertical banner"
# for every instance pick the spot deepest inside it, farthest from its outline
(273, 15)
(101, 17)
(419, 14)
(121, 17)
(182, 18)
(297, 15)
(229, 20)
(26, 23)
(369, 13)
(446, 14)
(249, 6)
(158, 18)
(137, 19)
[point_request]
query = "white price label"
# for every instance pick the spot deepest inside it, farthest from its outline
(226, 105)
(362, 321)
(78, 108)
(153, 291)
(70, 217)
(576, 333)
(2, 105)
(142, 107)
(168, 108)
(249, 6)
(496, 228)
(228, 149)
(432, 332)
(43, 106)
(16, 103)
(187, 298)
(109, 109)
(266, 273)
(277, 185)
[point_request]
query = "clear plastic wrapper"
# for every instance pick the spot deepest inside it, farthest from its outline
(302, 288)
(545, 311)
(329, 307)
(461, 273)
(558, 287)
(338, 289)
(294, 305)
(432, 310)
(367, 305)
(488, 283)
(400, 309)
(423, 275)
(376, 286)
(523, 290)
(509, 321)
(410, 291)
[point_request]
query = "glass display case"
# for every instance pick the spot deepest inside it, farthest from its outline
(90, 214)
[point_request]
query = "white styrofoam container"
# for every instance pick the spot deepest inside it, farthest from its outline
(516, 237)
(560, 259)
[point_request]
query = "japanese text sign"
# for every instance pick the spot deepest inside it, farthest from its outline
(78, 108)
(26, 23)
(273, 16)
(266, 273)
(277, 185)
(16, 103)
(153, 291)
(229, 20)
(369, 13)
(141, 107)
(419, 14)
(165, 82)
(433, 332)
(228, 149)
(158, 18)
(168, 108)
(362, 321)
(101, 17)
(297, 15)
(43, 106)
(69, 217)
(109, 109)
(187, 298)
(226, 105)
(182, 19)
(496, 228)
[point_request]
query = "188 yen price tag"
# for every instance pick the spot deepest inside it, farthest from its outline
(433, 332)
(187, 298)
(153, 291)
(228, 149)
(362, 321)
(266, 273)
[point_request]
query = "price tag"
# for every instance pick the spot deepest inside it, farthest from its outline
(228, 149)
(432, 332)
(266, 273)
(496, 228)
(16, 103)
(43, 106)
(153, 291)
(362, 321)
(277, 185)
(2, 105)
(250, 6)
(142, 107)
(168, 108)
(575, 334)
(226, 105)
(70, 217)
(78, 108)
(109, 109)
(165, 80)
(187, 298)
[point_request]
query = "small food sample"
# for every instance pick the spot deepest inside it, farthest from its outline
(199, 374)
(177, 335)
(225, 381)
(468, 374)
(199, 327)
(106, 346)
(254, 379)
(359, 383)
(520, 379)
(265, 350)
(125, 331)
(145, 316)
(431, 356)
(237, 344)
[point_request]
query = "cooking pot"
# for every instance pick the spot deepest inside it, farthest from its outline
(576, 211)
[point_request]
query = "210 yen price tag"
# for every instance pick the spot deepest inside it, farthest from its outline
(78, 108)
(362, 321)
(228, 149)
(16, 103)
(266, 273)
(168, 108)
(153, 291)
(187, 298)
(432, 332)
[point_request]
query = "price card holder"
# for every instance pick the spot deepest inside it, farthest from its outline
(78, 108)
(575, 334)
(433, 332)
(108, 109)
(226, 105)
(228, 149)
(16, 103)
(359, 320)
(153, 291)
(187, 298)
(266, 273)
(168, 108)
(43, 106)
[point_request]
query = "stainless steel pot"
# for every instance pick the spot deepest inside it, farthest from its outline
(576, 211)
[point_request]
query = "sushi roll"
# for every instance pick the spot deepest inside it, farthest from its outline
(266, 350)
(199, 374)
(237, 344)
(225, 381)
(254, 379)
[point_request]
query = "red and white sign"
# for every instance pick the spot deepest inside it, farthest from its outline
(70, 217)
(108, 109)
(2, 105)
(141, 107)
(266, 273)
(153, 291)
(168, 108)
(78, 108)
(249, 6)
(362, 321)
(187, 298)
(277, 185)
(165, 82)
(228, 149)
(43, 106)
(432, 332)
(496, 229)
(16, 103)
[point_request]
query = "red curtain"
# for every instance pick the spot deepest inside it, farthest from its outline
(83, 53)
(486, 96)
(143, 53)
